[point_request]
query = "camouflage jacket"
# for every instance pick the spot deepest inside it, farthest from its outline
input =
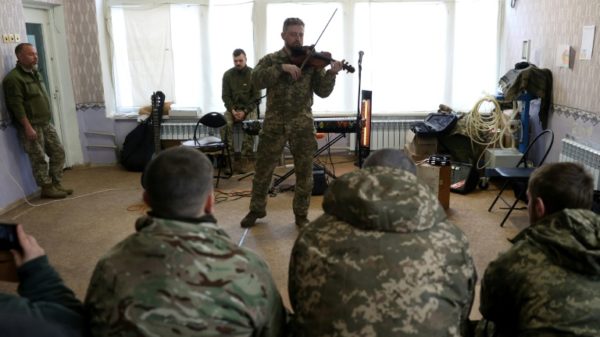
(26, 96)
(180, 278)
(382, 261)
(238, 91)
(289, 100)
(548, 283)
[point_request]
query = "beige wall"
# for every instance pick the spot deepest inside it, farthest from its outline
(547, 24)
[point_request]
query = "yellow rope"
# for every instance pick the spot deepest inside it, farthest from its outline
(489, 129)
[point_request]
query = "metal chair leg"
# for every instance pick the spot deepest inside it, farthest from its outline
(498, 196)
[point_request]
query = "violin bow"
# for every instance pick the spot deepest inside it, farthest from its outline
(319, 38)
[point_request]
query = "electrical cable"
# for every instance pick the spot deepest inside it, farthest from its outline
(486, 130)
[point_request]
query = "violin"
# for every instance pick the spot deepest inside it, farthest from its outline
(306, 56)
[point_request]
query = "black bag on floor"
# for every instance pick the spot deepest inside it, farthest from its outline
(138, 147)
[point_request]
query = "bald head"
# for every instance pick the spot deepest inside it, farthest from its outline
(391, 158)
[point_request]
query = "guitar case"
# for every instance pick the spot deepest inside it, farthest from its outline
(138, 147)
(144, 141)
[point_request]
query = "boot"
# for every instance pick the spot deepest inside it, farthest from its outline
(49, 191)
(250, 219)
(60, 187)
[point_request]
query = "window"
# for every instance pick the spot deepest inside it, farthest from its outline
(417, 54)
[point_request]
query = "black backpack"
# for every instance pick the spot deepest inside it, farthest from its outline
(138, 147)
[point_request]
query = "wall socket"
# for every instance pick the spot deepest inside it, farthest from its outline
(17, 37)
(11, 37)
(5, 38)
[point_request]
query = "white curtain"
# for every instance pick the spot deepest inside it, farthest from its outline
(417, 54)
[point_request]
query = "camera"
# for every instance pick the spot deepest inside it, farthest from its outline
(8, 237)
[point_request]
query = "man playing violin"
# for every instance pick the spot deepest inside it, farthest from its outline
(288, 118)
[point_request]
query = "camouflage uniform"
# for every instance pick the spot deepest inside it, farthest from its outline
(288, 118)
(180, 278)
(548, 283)
(239, 93)
(381, 261)
(26, 96)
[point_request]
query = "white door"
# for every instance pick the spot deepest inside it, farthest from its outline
(44, 33)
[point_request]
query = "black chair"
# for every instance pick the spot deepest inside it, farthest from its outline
(211, 144)
(518, 176)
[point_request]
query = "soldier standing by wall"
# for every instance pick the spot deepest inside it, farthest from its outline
(288, 119)
(28, 102)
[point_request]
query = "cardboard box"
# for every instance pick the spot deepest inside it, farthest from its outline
(438, 178)
(409, 149)
(424, 146)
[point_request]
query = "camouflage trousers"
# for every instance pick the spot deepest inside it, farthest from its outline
(46, 144)
(272, 139)
(227, 134)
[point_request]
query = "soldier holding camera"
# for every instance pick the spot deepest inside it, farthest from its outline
(45, 302)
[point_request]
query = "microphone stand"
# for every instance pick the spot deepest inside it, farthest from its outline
(358, 114)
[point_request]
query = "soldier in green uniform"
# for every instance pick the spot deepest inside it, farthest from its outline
(289, 119)
(240, 97)
(180, 274)
(382, 260)
(548, 283)
(27, 100)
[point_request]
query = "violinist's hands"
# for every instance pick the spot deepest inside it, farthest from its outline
(335, 68)
(293, 70)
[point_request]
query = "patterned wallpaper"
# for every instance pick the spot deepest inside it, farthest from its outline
(84, 53)
(11, 22)
(547, 24)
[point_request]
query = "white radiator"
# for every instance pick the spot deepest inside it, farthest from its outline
(181, 130)
(390, 133)
(573, 151)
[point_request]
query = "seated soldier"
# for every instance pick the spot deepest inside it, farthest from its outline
(548, 283)
(240, 98)
(45, 307)
(382, 260)
(180, 274)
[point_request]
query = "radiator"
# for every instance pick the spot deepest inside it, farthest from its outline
(573, 151)
(181, 130)
(390, 133)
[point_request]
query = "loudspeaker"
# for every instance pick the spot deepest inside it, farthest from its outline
(319, 180)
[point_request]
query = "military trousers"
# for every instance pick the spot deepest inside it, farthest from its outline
(272, 139)
(248, 140)
(47, 144)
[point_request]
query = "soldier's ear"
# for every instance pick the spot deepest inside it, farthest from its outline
(146, 198)
(209, 204)
(539, 207)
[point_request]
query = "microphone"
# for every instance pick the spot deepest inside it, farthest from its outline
(360, 56)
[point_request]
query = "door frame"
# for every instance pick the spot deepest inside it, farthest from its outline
(60, 82)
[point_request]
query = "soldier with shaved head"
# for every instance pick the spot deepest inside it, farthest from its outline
(382, 260)
(180, 274)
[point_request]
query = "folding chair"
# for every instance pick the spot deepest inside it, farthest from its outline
(211, 144)
(521, 172)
